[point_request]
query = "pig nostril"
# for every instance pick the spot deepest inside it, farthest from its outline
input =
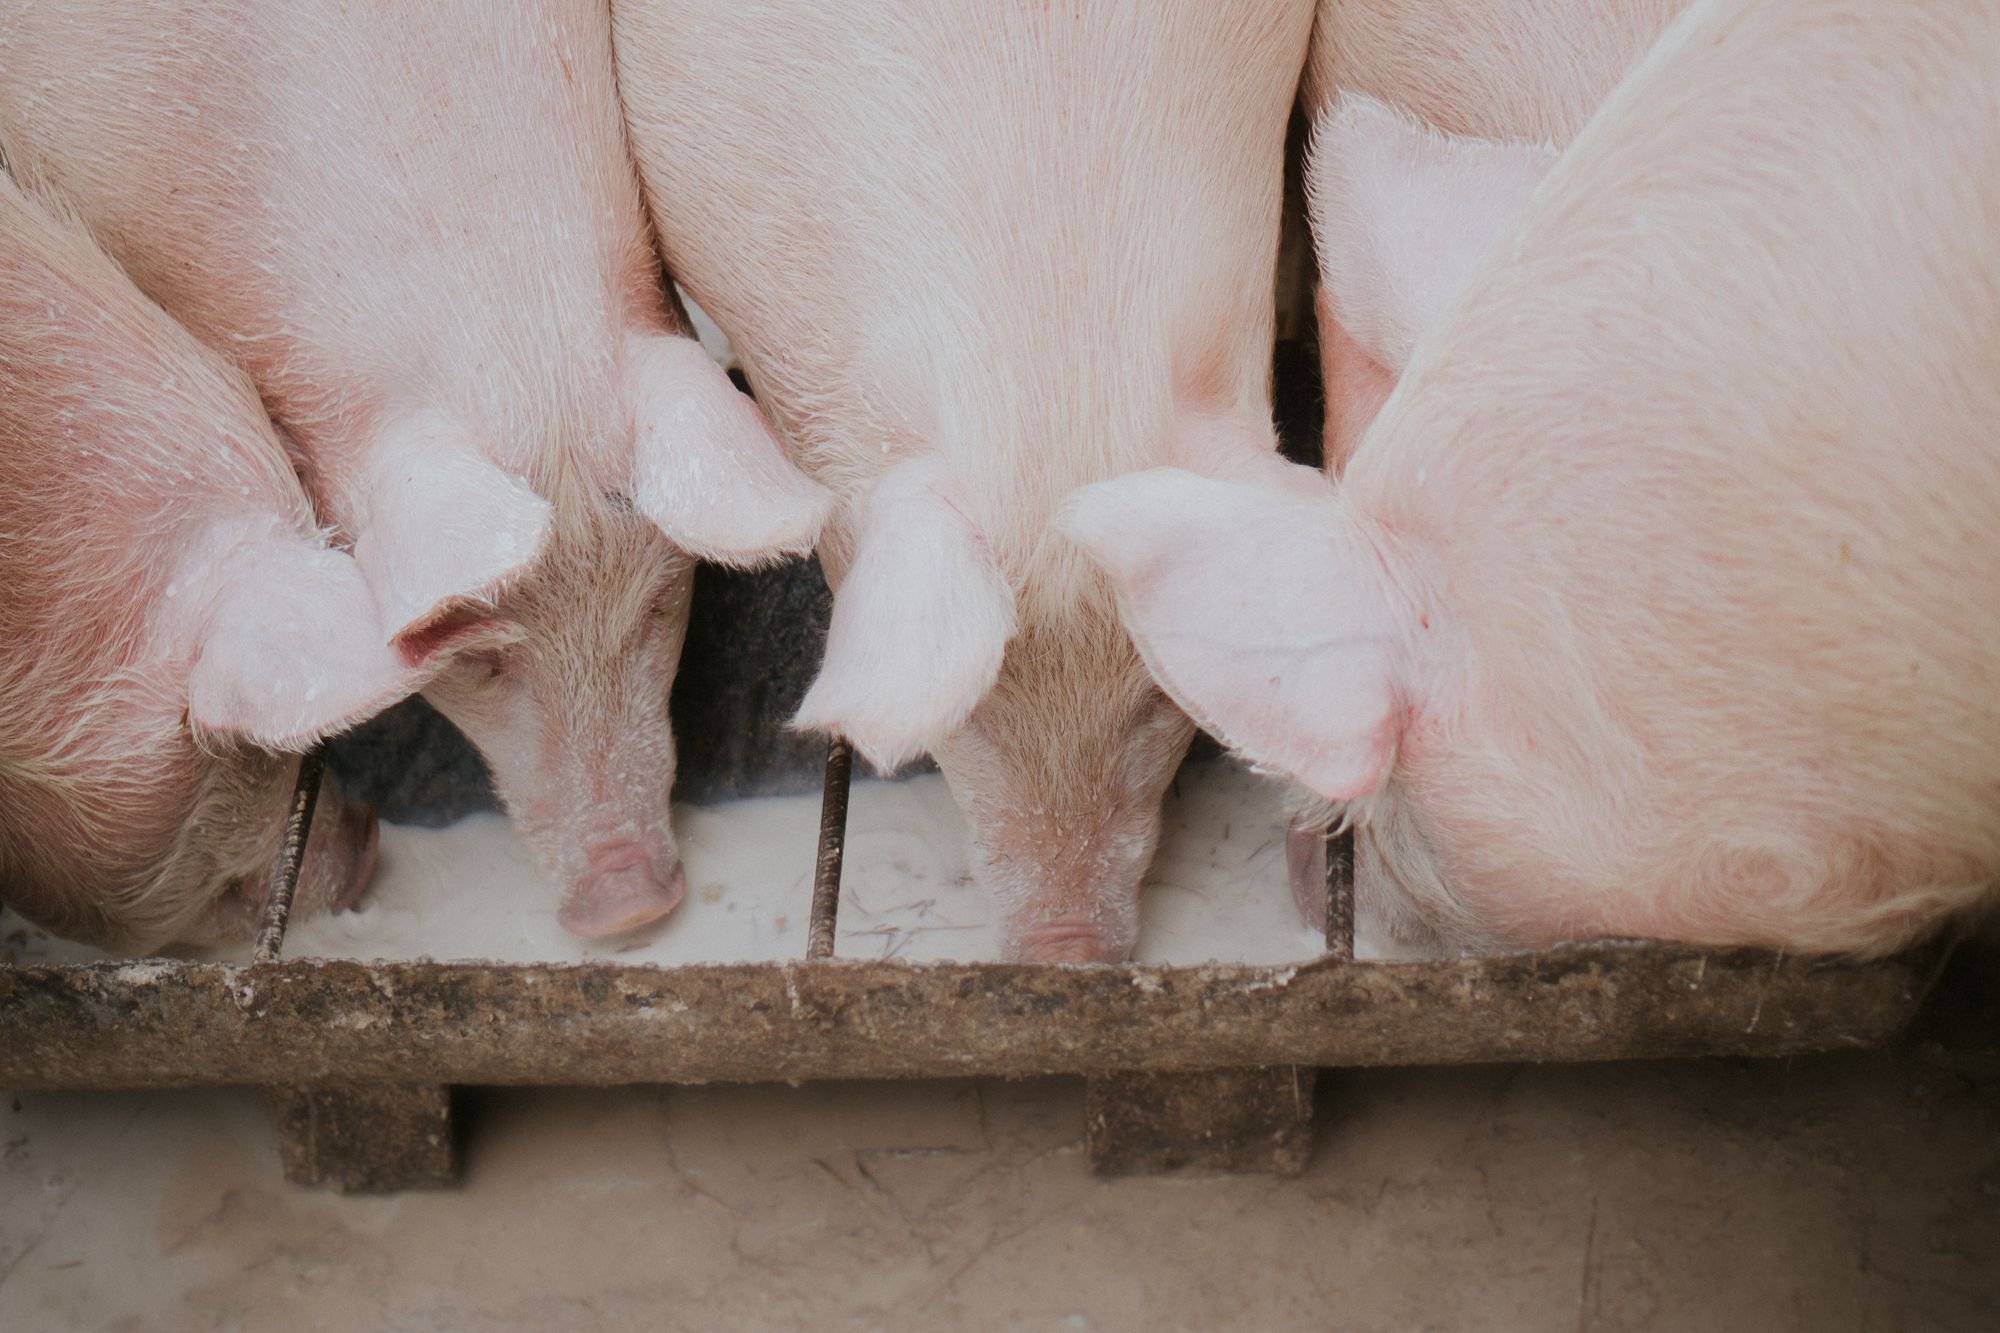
(610, 854)
(1065, 942)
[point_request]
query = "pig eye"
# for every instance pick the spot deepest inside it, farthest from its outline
(481, 668)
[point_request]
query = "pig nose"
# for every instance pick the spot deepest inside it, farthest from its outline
(621, 889)
(1064, 941)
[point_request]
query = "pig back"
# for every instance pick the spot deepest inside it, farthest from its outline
(1489, 69)
(1706, 460)
(1010, 234)
(364, 205)
(124, 452)
(121, 444)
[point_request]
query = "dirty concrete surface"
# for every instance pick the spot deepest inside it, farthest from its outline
(1851, 1192)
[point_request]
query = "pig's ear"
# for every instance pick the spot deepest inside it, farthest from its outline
(1402, 216)
(1261, 610)
(706, 466)
(920, 623)
(292, 647)
(447, 530)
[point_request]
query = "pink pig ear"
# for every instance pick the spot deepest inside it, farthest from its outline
(920, 623)
(446, 529)
(1402, 216)
(706, 466)
(292, 647)
(1261, 610)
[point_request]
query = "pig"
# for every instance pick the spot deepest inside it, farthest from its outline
(971, 257)
(1659, 598)
(173, 625)
(419, 229)
(1399, 96)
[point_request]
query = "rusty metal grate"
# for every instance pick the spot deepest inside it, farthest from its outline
(1208, 1064)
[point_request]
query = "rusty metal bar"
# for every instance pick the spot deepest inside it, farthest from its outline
(285, 877)
(1340, 891)
(832, 846)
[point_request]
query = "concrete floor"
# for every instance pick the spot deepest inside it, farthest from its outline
(1854, 1192)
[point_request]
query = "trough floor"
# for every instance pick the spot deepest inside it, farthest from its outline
(1851, 1192)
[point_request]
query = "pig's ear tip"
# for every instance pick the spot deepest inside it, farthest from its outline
(421, 568)
(1092, 515)
(1338, 775)
(887, 745)
(787, 527)
(1084, 508)
(268, 670)
(288, 715)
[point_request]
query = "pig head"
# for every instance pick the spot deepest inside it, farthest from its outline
(560, 672)
(972, 257)
(1031, 697)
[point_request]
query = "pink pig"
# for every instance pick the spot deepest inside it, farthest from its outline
(170, 619)
(974, 256)
(1660, 599)
(418, 228)
(1402, 95)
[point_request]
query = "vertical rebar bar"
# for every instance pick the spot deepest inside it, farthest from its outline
(1340, 891)
(285, 878)
(832, 843)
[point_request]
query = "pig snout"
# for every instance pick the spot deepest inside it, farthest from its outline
(340, 853)
(1079, 904)
(1066, 940)
(623, 886)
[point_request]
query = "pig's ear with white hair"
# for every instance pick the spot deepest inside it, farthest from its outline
(1262, 611)
(1402, 216)
(291, 647)
(706, 466)
(446, 531)
(920, 623)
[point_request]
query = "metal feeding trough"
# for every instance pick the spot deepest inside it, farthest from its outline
(1186, 1065)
